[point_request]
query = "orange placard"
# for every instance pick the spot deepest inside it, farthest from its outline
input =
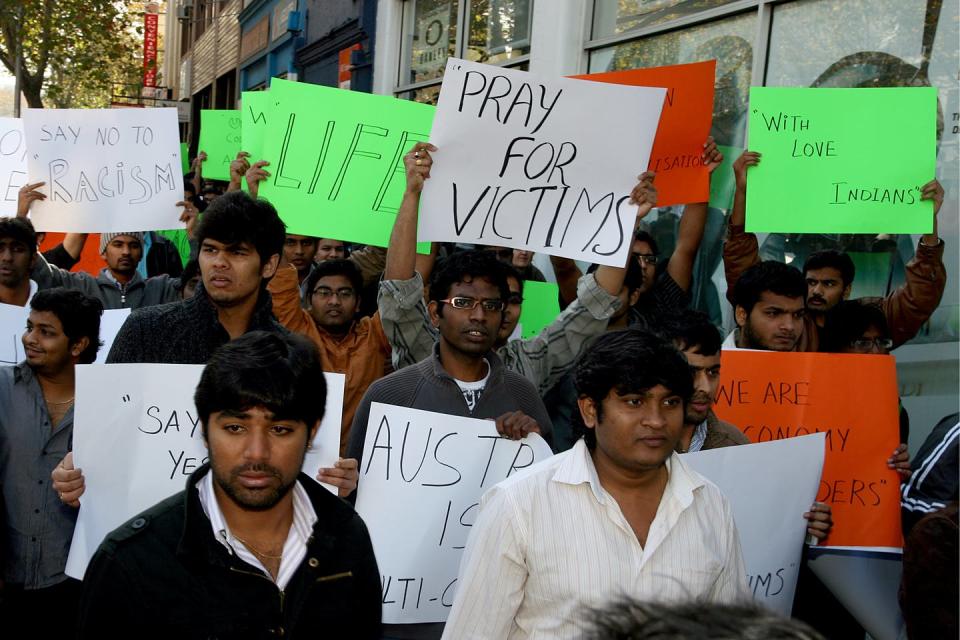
(684, 125)
(850, 398)
(90, 259)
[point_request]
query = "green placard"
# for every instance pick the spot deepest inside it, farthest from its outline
(255, 110)
(336, 159)
(220, 140)
(722, 180)
(185, 157)
(541, 306)
(841, 160)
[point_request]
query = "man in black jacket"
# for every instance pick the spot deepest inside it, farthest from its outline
(252, 547)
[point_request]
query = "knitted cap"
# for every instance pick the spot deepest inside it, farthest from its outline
(105, 238)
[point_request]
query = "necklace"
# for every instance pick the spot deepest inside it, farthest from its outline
(257, 551)
(60, 403)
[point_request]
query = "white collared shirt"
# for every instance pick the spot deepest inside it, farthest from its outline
(295, 547)
(551, 540)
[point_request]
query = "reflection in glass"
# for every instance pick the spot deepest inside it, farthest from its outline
(499, 30)
(430, 36)
(611, 17)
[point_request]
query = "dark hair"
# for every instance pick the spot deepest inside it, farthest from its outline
(632, 279)
(281, 373)
(78, 313)
(697, 620)
(644, 236)
(769, 275)
(627, 361)
(833, 259)
(848, 321)
(190, 270)
(510, 271)
(235, 217)
(689, 329)
(19, 230)
(189, 186)
(336, 267)
(464, 266)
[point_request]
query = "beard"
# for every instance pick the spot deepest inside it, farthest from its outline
(250, 499)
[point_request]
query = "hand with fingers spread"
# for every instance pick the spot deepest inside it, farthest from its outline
(819, 521)
(899, 461)
(417, 163)
(255, 175)
(711, 156)
(27, 195)
(344, 475)
(68, 482)
(516, 425)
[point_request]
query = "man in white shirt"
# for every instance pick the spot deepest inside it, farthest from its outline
(617, 515)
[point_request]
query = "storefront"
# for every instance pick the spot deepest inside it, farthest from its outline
(270, 32)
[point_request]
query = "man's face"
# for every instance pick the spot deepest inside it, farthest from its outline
(16, 261)
(299, 251)
(643, 253)
(774, 324)
(46, 347)
(706, 380)
(468, 331)
(328, 249)
(511, 315)
(123, 254)
(232, 273)
(825, 289)
(637, 431)
(255, 457)
(522, 258)
(873, 341)
(333, 302)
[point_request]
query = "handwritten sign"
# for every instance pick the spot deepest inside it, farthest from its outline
(852, 399)
(105, 169)
(421, 480)
(684, 126)
(337, 159)
(137, 437)
(521, 165)
(254, 111)
(769, 486)
(13, 164)
(541, 306)
(13, 322)
(220, 140)
(827, 167)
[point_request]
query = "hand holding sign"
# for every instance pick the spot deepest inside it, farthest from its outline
(417, 165)
(28, 194)
(68, 482)
(255, 175)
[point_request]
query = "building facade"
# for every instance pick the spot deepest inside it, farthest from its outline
(271, 31)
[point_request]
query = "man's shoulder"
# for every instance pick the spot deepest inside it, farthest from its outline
(401, 383)
(160, 314)
(159, 526)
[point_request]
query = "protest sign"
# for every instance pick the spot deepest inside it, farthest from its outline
(421, 478)
(13, 164)
(220, 140)
(185, 158)
(520, 165)
(254, 112)
(852, 399)
(137, 437)
(105, 169)
(769, 486)
(684, 126)
(336, 159)
(13, 322)
(841, 160)
(723, 181)
(541, 306)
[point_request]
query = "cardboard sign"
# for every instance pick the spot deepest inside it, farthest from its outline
(105, 169)
(826, 165)
(255, 109)
(852, 399)
(769, 486)
(137, 437)
(185, 158)
(541, 306)
(421, 478)
(13, 322)
(13, 164)
(684, 126)
(336, 159)
(535, 163)
(220, 140)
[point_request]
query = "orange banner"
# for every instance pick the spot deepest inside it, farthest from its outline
(850, 398)
(684, 126)
(90, 259)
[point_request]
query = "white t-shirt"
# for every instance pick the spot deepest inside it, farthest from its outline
(473, 390)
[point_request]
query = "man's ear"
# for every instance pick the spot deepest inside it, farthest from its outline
(269, 268)
(740, 316)
(433, 308)
(588, 411)
(313, 434)
(846, 291)
(79, 346)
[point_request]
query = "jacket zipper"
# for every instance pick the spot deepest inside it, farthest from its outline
(283, 594)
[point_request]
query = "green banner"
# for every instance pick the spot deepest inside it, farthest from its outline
(220, 140)
(541, 306)
(185, 157)
(722, 180)
(336, 159)
(841, 160)
(254, 112)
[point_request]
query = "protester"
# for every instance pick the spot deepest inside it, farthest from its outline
(329, 249)
(582, 527)
(299, 251)
(522, 261)
(929, 584)
(768, 303)
(189, 279)
(36, 432)
(252, 547)
(18, 254)
(936, 479)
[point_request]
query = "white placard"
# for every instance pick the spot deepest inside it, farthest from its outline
(105, 169)
(770, 486)
(137, 437)
(13, 164)
(421, 478)
(13, 322)
(539, 163)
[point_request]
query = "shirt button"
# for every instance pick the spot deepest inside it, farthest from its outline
(313, 562)
(138, 523)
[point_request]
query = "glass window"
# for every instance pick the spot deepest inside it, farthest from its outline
(499, 30)
(430, 36)
(875, 43)
(611, 17)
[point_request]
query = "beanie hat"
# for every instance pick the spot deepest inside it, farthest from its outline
(105, 238)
